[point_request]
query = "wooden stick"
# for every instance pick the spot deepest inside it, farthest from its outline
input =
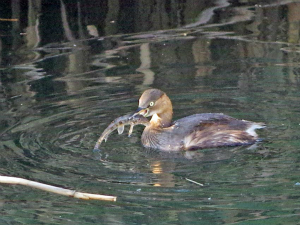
(9, 20)
(195, 182)
(56, 190)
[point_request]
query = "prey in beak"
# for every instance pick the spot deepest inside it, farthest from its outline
(141, 111)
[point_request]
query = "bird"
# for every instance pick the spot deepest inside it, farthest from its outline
(198, 131)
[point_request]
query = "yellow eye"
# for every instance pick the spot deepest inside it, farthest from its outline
(151, 104)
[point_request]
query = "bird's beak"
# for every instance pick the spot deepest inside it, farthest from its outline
(141, 111)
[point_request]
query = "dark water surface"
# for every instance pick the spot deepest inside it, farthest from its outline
(69, 68)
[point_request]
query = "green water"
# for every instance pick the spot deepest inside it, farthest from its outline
(60, 87)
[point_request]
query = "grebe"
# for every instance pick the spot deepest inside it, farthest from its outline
(197, 131)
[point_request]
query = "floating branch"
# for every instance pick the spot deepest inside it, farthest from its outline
(9, 20)
(195, 182)
(56, 190)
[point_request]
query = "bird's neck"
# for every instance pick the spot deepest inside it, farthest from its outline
(162, 120)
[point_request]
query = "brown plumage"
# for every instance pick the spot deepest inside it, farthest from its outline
(193, 132)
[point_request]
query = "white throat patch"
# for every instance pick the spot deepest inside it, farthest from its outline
(155, 119)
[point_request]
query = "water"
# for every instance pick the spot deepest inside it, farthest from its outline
(61, 87)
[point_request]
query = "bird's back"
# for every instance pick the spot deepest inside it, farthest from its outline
(202, 131)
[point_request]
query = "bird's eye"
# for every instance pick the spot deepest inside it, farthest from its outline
(151, 104)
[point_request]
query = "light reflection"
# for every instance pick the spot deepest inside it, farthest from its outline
(162, 171)
(156, 167)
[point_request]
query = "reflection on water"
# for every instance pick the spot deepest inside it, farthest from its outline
(68, 69)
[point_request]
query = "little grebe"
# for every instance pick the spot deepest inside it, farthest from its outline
(197, 131)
